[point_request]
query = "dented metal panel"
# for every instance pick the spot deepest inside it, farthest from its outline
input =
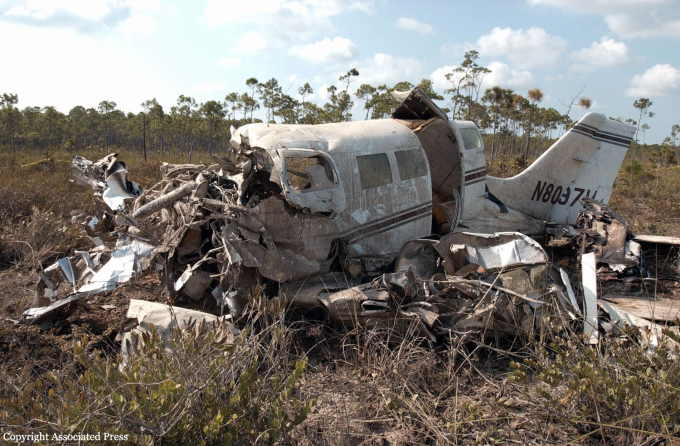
(492, 251)
(376, 220)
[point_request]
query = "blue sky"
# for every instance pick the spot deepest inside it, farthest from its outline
(80, 52)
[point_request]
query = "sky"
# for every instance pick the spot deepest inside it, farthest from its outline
(80, 52)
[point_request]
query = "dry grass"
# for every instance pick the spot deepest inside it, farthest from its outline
(650, 203)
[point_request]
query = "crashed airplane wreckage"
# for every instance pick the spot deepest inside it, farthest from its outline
(340, 217)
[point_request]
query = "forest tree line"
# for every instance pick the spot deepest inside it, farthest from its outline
(512, 123)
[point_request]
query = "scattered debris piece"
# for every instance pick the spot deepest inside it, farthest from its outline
(660, 239)
(652, 308)
(108, 177)
(83, 275)
(604, 232)
(142, 315)
(590, 325)
(652, 334)
(60, 308)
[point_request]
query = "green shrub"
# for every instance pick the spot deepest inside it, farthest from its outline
(195, 388)
(617, 390)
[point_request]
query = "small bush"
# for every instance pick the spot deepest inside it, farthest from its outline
(196, 388)
(617, 391)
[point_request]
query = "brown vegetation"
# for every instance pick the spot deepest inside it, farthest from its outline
(359, 387)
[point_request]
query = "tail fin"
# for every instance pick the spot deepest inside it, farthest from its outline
(583, 163)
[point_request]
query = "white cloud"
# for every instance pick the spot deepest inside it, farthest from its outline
(229, 62)
(387, 69)
(410, 24)
(627, 18)
(660, 80)
(326, 51)
(18, 11)
(646, 23)
(596, 105)
(86, 72)
(506, 77)
(89, 9)
(250, 43)
(144, 5)
(219, 12)
(438, 78)
(209, 87)
(322, 92)
(525, 49)
(139, 24)
(84, 16)
(605, 53)
(282, 19)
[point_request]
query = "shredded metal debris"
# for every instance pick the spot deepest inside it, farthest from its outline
(218, 232)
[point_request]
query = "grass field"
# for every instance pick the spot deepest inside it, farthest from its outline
(298, 380)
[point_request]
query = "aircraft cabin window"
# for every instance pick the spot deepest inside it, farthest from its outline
(411, 164)
(374, 170)
(309, 174)
(471, 138)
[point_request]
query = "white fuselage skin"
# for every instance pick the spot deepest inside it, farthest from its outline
(379, 187)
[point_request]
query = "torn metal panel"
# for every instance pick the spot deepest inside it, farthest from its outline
(503, 249)
(305, 294)
(85, 173)
(71, 272)
(416, 105)
(108, 177)
(347, 306)
(142, 314)
(366, 307)
(101, 230)
(118, 189)
(84, 274)
(60, 308)
(590, 325)
(124, 262)
(570, 291)
(614, 249)
(193, 283)
(658, 239)
(300, 243)
(605, 233)
(651, 308)
(651, 333)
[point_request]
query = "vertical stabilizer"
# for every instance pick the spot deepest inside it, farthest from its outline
(583, 163)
